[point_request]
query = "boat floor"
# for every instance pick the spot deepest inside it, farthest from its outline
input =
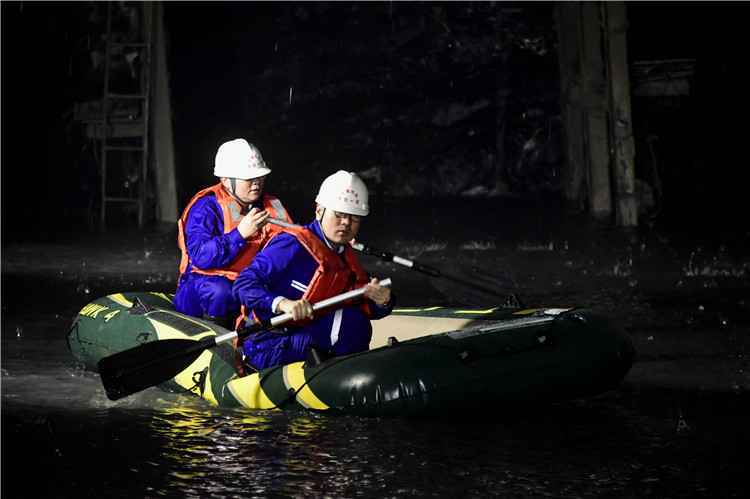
(407, 327)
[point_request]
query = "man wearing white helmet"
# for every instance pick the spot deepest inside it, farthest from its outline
(221, 230)
(307, 264)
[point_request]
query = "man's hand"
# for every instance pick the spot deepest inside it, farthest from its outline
(377, 293)
(300, 309)
(252, 222)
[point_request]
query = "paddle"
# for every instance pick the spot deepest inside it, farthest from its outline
(155, 362)
(511, 300)
(433, 272)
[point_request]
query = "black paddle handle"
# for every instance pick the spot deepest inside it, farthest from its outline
(390, 257)
(425, 269)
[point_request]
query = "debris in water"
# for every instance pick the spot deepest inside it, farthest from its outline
(478, 245)
(537, 247)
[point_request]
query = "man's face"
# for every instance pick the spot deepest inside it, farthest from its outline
(339, 228)
(248, 191)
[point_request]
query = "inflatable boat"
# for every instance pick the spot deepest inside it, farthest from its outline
(421, 360)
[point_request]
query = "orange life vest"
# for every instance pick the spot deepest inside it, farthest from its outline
(232, 212)
(334, 275)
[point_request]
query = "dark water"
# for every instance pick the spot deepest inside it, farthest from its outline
(61, 437)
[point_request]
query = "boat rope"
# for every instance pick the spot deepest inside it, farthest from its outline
(199, 378)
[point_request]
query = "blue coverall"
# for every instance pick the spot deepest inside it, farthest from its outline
(283, 269)
(209, 248)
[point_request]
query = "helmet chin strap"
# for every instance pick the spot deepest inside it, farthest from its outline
(233, 193)
(330, 243)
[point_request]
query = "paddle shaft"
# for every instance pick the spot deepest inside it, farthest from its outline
(286, 317)
(419, 267)
(425, 269)
(389, 257)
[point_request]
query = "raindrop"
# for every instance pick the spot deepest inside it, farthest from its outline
(19, 331)
(701, 308)
(682, 425)
(650, 338)
(83, 289)
(147, 254)
(633, 283)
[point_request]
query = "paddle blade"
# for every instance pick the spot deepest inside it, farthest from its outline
(149, 364)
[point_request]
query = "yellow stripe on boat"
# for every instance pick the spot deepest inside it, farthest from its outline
(294, 379)
(487, 311)
(120, 299)
(527, 311)
(412, 310)
(200, 367)
(166, 332)
(249, 392)
(163, 296)
(202, 364)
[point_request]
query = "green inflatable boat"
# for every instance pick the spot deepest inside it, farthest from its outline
(421, 360)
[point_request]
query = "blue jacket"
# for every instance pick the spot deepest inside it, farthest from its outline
(208, 246)
(283, 269)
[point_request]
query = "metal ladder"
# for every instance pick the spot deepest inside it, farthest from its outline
(126, 134)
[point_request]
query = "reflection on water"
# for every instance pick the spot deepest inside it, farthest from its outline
(617, 445)
(620, 444)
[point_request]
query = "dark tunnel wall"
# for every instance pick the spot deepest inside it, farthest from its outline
(409, 91)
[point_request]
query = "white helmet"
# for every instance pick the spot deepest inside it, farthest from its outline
(344, 192)
(238, 159)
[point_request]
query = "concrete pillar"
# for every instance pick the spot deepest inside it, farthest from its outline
(596, 122)
(161, 124)
(623, 145)
(568, 19)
